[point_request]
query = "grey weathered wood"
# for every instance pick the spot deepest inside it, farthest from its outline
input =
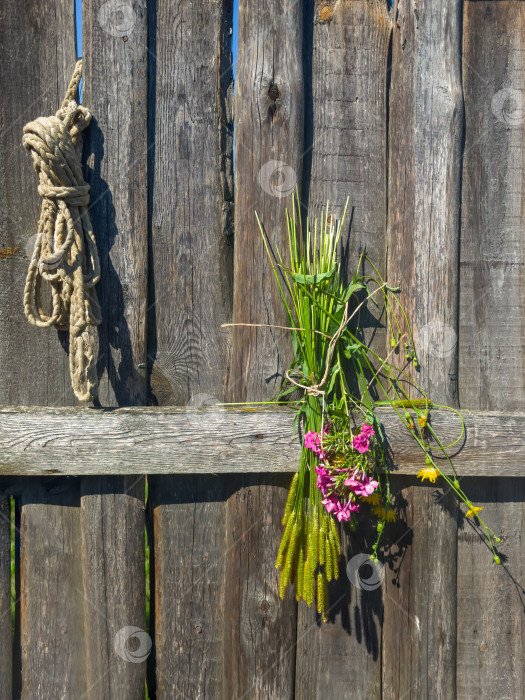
(425, 148)
(491, 622)
(188, 519)
(190, 296)
(260, 628)
(115, 90)
(346, 120)
(37, 57)
(173, 440)
(52, 596)
(6, 656)
(345, 156)
(269, 125)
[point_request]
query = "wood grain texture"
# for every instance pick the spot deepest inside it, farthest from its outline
(214, 440)
(188, 519)
(491, 613)
(269, 129)
(115, 91)
(6, 654)
(52, 596)
(190, 296)
(346, 119)
(35, 71)
(37, 58)
(346, 156)
(260, 628)
(425, 149)
(269, 113)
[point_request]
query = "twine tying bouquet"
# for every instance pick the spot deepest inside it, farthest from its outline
(343, 464)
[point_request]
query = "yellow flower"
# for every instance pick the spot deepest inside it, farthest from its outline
(388, 514)
(374, 499)
(475, 509)
(422, 421)
(337, 461)
(430, 473)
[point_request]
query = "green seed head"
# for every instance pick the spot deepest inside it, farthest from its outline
(497, 539)
(456, 484)
(497, 559)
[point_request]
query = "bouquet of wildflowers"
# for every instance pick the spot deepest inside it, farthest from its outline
(343, 463)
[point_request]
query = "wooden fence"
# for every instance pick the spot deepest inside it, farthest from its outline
(415, 112)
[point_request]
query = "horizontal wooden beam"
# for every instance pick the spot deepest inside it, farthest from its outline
(150, 440)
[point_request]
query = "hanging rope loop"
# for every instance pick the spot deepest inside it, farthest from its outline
(65, 253)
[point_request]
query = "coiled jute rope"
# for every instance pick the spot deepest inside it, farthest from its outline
(65, 253)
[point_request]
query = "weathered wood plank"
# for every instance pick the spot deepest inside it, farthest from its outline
(269, 129)
(190, 296)
(491, 623)
(35, 71)
(345, 156)
(37, 58)
(52, 597)
(6, 655)
(115, 91)
(425, 148)
(259, 638)
(188, 518)
(214, 440)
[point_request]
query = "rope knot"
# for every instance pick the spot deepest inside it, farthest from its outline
(65, 253)
(75, 195)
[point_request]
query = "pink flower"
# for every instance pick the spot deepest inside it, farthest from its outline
(312, 441)
(331, 503)
(345, 512)
(324, 480)
(367, 431)
(361, 443)
(352, 482)
(362, 487)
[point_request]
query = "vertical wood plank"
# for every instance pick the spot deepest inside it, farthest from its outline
(188, 520)
(6, 656)
(491, 366)
(346, 156)
(37, 58)
(347, 76)
(425, 137)
(115, 91)
(190, 295)
(260, 630)
(52, 610)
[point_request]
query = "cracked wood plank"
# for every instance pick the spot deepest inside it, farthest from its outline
(174, 440)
